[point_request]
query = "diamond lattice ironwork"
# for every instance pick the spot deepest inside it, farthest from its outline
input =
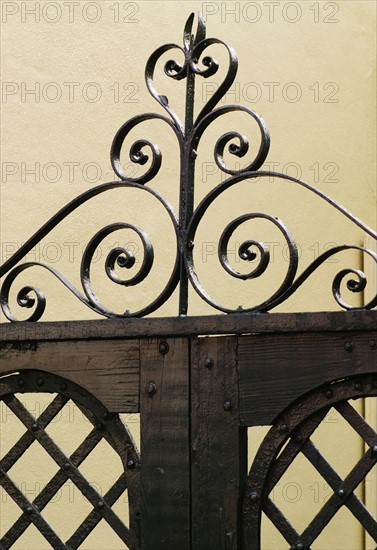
(290, 436)
(104, 425)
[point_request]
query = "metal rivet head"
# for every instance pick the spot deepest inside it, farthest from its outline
(283, 428)
(299, 546)
(340, 492)
(374, 451)
(227, 405)
(67, 466)
(34, 427)
(163, 348)
(21, 382)
(253, 497)
(208, 363)
(357, 386)
(372, 344)
(130, 464)
(349, 346)
(106, 416)
(63, 387)
(40, 382)
(29, 510)
(151, 389)
(298, 439)
(100, 504)
(329, 394)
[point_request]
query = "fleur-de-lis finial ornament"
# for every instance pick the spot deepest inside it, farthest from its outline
(186, 221)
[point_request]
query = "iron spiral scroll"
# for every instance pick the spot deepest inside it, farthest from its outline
(195, 63)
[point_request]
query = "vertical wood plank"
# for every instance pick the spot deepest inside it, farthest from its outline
(219, 445)
(164, 417)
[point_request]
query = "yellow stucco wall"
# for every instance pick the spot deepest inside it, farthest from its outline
(73, 72)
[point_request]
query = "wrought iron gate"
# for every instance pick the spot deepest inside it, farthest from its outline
(197, 382)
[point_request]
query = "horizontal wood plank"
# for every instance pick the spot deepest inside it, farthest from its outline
(274, 370)
(108, 369)
(185, 326)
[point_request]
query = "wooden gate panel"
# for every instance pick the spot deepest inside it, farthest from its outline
(196, 397)
(164, 419)
(286, 366)
(219, 445)
(108, 369)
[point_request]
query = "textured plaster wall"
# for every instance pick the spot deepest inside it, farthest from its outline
(73, 72)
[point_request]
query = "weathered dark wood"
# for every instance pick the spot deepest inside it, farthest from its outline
(165, 474)
(193, 442)
(219, 446)
(108, 369)
(188, 326)
(276, 369)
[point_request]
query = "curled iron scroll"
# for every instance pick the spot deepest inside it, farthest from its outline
(30, 297)
(291, 282)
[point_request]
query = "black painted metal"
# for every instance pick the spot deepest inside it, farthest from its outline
(293, 428)
(186, 222)
(104, 425)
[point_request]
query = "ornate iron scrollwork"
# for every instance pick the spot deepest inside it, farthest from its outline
(185, 223)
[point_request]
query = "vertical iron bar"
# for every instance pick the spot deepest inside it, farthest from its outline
(186, 199)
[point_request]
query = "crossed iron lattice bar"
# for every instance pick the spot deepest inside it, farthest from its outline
(105, 426)
(263, 480)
